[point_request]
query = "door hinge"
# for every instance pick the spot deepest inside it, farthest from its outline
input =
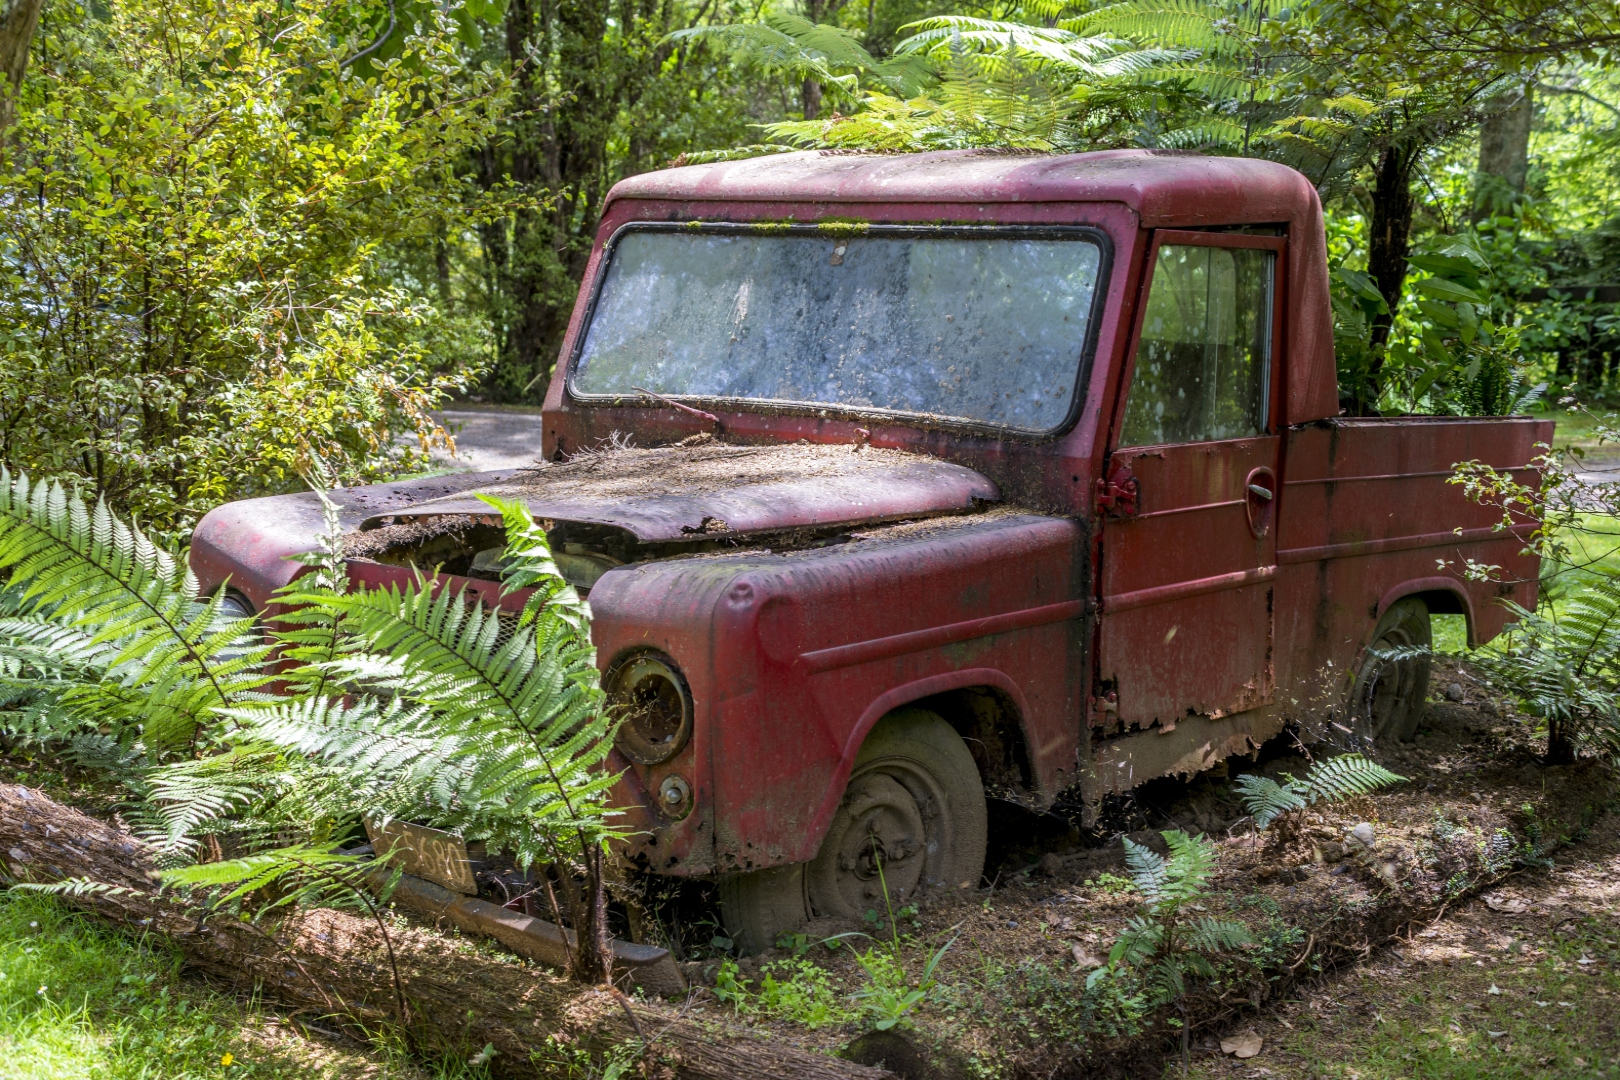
(1116, 493)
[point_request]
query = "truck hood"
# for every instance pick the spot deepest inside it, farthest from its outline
(713, 489)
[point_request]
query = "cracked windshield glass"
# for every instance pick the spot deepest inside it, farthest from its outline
(988, 329)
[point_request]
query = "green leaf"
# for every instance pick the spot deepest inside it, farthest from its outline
(1441, 289)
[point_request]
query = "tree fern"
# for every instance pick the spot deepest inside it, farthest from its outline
(785, 44)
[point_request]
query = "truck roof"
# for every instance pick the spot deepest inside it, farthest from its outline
(1161, 186)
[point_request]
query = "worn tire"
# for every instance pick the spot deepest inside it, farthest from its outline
(912, 817)
(1390, 693)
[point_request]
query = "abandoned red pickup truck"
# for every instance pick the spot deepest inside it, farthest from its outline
(897, 482)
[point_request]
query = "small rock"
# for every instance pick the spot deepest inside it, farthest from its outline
(1363, 834)
(1511, 905)
(1454, 692)
(1012, 924)
(1330, 852)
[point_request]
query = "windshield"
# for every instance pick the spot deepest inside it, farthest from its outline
(987, 328)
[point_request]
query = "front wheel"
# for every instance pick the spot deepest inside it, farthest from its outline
(1392, 687)
(912, 817)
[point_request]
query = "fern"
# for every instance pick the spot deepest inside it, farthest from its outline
(1158, 943)
(1334, 780)
(412, 701)
(117, 619)
(1266, 800)
(298, 875)
(1565, 668)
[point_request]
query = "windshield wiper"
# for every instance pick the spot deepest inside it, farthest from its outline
(699, 413)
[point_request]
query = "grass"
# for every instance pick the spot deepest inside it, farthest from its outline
(79, 1000)
(1549, 1018)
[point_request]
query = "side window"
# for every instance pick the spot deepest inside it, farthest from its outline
(1205, 350)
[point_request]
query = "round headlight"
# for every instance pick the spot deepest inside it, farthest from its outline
(655, 707)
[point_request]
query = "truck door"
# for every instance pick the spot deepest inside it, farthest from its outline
(1188, 554)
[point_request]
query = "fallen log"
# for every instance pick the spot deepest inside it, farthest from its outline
(336, 964)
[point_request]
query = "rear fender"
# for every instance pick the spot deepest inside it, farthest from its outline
(1443, 595)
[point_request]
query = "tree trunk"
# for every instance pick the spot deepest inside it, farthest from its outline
(1504, 154)
(336, 964)
(18, 20)
(1560, 745)
(810, 98)
(1391, 233)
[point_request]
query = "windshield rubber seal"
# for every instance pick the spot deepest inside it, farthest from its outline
(820, 410)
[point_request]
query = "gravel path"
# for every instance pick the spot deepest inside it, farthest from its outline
(490, 438)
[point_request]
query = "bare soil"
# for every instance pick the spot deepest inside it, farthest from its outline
(1476, 807)
(1487, 870)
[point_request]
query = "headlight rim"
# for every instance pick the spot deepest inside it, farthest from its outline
(631, 740)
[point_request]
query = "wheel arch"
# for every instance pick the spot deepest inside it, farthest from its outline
(1442, 596)
(971, 696)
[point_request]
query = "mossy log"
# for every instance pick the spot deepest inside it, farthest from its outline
(335, 964)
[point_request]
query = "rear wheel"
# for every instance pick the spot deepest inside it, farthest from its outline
(1392, 687)
(912, 817)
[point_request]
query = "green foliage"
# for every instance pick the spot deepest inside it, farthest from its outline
(399, 702)
(799, 991)
(1333, 780)
(1564, 669)
(1161, 946)
(106, 626)
(785, 44)
(195, 197)
(1111, 884)
(890, 995)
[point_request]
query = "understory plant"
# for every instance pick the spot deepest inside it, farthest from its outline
(1333, 780)
(402, 702)
(1164, 944)
(1561, 661)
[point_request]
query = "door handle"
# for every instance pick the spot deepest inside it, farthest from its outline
(1259, 499)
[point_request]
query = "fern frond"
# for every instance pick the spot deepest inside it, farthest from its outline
(1210, 935)
(1345, 777)
(74, 887)
(1187, 871)
(1148, 870)
(166, 659)
(1266, 800)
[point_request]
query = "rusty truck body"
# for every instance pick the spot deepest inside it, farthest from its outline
(901, 481)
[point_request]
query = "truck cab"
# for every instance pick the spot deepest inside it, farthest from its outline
(899, 482)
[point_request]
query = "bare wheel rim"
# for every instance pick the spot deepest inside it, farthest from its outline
(890, 830)
(1387, 686)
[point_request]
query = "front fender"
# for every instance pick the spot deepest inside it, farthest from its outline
(791, 658)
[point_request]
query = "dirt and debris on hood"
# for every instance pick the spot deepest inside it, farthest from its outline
(709, 488)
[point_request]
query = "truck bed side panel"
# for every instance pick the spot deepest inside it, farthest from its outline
(1367, 516)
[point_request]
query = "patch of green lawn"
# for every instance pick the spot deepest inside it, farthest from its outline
(1554, 1019)
(80, 1000)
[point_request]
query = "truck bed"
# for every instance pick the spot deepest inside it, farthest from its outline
(1367, 515)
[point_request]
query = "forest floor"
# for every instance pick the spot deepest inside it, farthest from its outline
(1442, 956)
